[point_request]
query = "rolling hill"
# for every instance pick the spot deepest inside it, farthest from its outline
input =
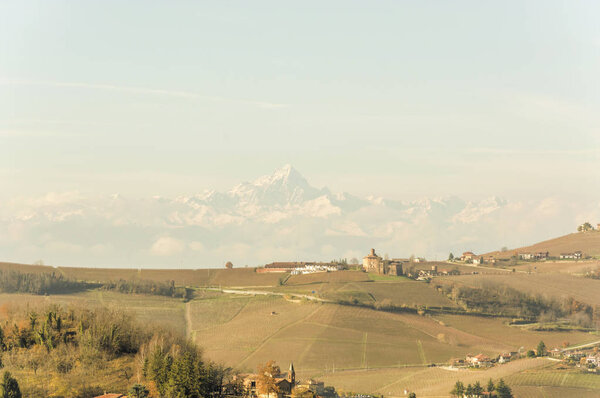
(586, 242)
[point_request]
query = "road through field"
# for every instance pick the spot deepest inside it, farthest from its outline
(268, 293)
(576, 347)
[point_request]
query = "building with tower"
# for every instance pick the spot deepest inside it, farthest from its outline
(374, 263)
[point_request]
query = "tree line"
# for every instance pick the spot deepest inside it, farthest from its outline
(39, 283)
(44, 283)
(502, 300)
(148, 287)
(500, 390)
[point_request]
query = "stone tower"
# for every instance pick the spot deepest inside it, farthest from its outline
(373, 263)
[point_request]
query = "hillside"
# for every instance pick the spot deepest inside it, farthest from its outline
(586, 242)
(183, 277)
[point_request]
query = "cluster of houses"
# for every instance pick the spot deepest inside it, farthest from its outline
(482, 360)
(588, 359)
(536, 256)
(414, 267)
(571, 256)
(472, 258)
(300, 267)
(314, 268)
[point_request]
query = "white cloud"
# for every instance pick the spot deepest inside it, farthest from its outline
(66, 228)
(167, 246)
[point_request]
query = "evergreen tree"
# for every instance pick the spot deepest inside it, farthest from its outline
(469, 390)
(450, 257)
(139, 391)
(477, 389)
(458, 390)
(541, 349)
(184, 378)
(503, 390)
(9, 387)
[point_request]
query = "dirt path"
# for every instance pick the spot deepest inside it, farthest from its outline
(269, 293)
(575, 347)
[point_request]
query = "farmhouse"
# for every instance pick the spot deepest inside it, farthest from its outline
(593, 359)
(534, 256)
(503, 358)
(478, 361)
(571, 256)
(556, 352)
(467, 256)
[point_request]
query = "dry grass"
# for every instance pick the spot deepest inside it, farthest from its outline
(587, 242)
(328, 277)
(564, 267)
(182, 277)
(511, 337)
(425, 382)
(558, 286)
(323, 336)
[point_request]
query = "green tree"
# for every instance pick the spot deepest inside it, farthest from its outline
(530, 354)
(184, 378)
(541, 349)
(450, 257)
(138, 391)
(469, 390)
(477, 389)
(412, 395)
(9, 387)
(490, 386)
(458, 390)
(503, 390)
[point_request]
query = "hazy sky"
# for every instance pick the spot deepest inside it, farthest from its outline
(400, 99)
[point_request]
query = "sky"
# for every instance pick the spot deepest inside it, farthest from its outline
(168, 97)
(389, 98)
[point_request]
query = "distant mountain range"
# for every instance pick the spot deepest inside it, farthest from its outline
(276, 217)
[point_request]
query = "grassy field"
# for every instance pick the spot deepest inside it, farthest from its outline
(184, 277)
(497, 330)
(586, 242)
(546, 284)
(253, 330)
(244, 331)
(424, 381)
(366, 288)
(164, 311)
(576, 267)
